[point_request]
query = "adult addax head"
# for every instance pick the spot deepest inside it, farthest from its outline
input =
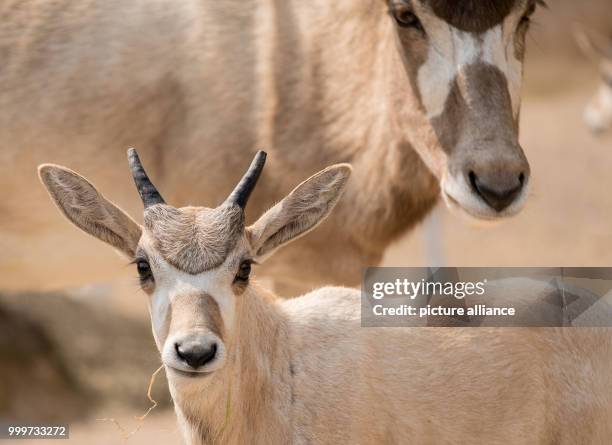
(465, 63)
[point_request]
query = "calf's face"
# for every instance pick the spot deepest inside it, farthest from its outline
(464, 63)
(195, 262)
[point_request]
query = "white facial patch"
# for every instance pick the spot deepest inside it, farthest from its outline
(170, 283)
(458, 195)
(452, 50)
(175, 283)
(172, 286)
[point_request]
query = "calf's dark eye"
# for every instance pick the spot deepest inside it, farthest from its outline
(144, 270)
(243, 271)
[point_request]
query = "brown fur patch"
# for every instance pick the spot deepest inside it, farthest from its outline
(471, 15)
(213, 313)
(478, 129)
(197, 309)
(487, 117)
(194, 239)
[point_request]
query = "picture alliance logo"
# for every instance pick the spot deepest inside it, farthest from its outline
(412, 289)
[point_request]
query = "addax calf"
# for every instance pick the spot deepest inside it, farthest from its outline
(245, 367)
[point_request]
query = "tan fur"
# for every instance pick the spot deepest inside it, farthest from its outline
(197, 86)
(313, 200)
(81, 203)
(304, 371)
(194, 239)
(197, 306)
(308, 373)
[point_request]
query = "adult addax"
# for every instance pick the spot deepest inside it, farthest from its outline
(422, 97)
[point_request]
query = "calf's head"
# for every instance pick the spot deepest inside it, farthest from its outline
(194, 262)
(464, 63)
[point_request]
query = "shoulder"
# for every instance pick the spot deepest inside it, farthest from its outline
(326, 302)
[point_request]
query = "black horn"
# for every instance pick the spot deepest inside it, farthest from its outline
(149, 194)
(241, 193)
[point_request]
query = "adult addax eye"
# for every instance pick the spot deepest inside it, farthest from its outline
(526, 19)
(244, 271)
(144, 270)
(406, 18)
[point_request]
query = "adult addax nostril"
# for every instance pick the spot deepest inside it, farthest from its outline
(498, 191)
(196, 354)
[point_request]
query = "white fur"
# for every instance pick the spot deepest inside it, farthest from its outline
(171, 283)
(456, 190)
(451, 50)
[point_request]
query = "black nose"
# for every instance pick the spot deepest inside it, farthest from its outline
(499, 190)
(196, 354)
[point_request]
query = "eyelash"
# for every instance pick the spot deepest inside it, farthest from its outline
(404, 16)
(526, 19)
(245, 263)
(408, 19)
(144, 275)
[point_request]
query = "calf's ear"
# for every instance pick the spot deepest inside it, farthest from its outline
(299, 212)
(87, 209)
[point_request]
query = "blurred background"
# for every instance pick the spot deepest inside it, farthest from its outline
(89, 352)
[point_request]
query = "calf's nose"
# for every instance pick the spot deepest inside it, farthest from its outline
(498, 189)
(196, 354)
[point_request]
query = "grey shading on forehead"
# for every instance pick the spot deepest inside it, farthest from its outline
(194, 239)
(475, 16)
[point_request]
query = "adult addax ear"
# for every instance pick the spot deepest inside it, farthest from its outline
(91, 212)
(299, 212)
